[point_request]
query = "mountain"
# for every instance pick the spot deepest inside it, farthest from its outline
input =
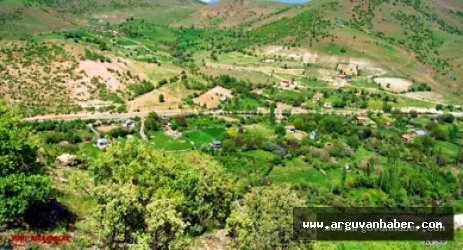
(412, 39)
(229, 13)
(22, 17)
(417, 41)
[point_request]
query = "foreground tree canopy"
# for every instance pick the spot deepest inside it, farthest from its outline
(150, 200)
(21, 179)
(263, 219)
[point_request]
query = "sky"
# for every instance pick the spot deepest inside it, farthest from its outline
(284, 1)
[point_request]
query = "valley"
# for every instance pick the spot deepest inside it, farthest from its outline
(179, 122)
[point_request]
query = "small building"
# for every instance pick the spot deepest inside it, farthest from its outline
(313, 135)
(329, 145)
(317, 97)
(343, 78)
(285, 84)
(408, 137)
(216, 145)
(420, 133)
(328, 105)
(129, 124)
(67, 160)
(347, 167)
(102, 142)
(290, 129)
(387, 123)
(362, 120)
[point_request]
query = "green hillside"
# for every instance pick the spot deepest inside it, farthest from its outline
(415, 39)
(175, 124)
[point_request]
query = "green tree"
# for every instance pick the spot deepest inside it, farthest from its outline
(119, 215)
(21, 179)
(387, 108)
(263, 218)
(152, 122)
(447, 118)
(161, 98)
(440, 133)
(272, 114)
(159, 198)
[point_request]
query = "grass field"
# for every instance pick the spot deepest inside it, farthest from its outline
(204, 136)
(298, 171)
(162, 141)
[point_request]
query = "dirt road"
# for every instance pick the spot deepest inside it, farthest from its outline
(174, 112)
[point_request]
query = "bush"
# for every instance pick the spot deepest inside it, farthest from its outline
(117, 132)
(447, 118)
(142, 88)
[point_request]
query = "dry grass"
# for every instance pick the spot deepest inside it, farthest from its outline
(173, 95)
(393, 84)
(213, 97)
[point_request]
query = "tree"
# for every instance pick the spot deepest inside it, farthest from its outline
(387, 108)
(280, 130)
(447, 118)
(272, 114)
(119, 215)
(152, 121)
(165, 224)
(343, 176)
(161, 98)
(263, 218)
(149, 199)
(21, 179)
(440, 133)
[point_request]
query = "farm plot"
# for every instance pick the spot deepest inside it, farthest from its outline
(204, 136)
(393, 84)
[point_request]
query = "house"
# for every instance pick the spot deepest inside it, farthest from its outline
(102, 142)
(285, 84)
(420, 133)
(387, 123)
(129, 124)
(173, 133)
(313, 135)
(408, 137)
(317, 97)
(216, 145)
(67, 160)
(328, 105)
(362, 119)
(290, 129)
(343, 78)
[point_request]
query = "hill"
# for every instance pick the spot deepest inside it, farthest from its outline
(19, 18)
(400, 47)
(418, 40)
(231, 13)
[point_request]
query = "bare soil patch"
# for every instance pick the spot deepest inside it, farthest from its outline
(213, 97)
(394, 84)
(173, 95)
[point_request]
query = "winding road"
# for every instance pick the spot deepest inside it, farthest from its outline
(123, 116)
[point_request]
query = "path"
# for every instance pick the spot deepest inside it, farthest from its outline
(142, 130)
(122, 116)
(97, 134)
